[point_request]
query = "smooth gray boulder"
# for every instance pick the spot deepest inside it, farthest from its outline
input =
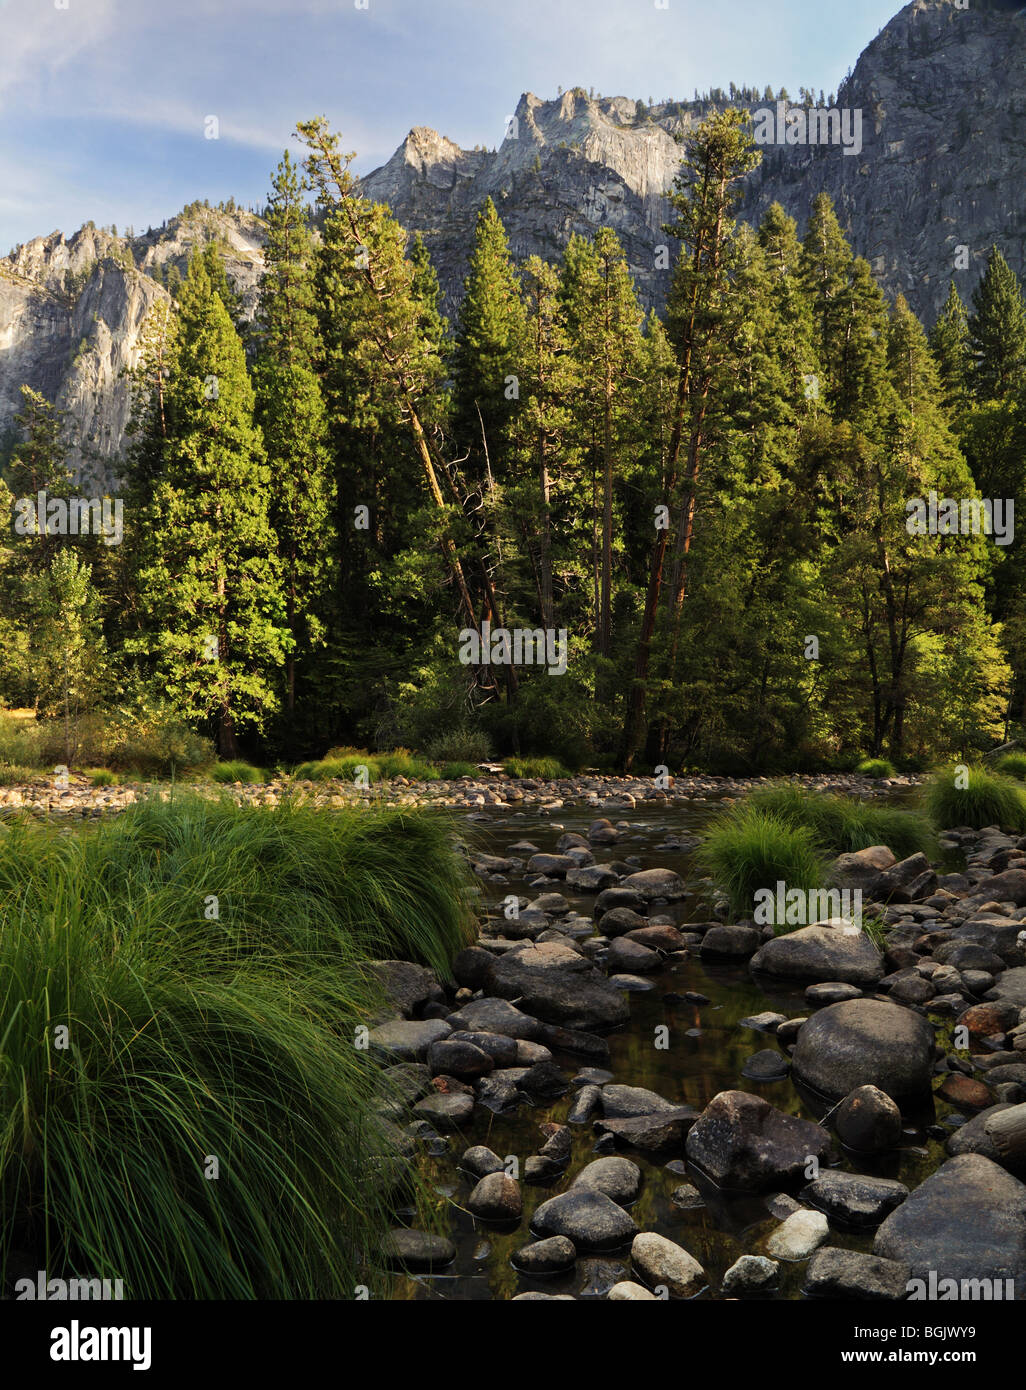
(557, 984)
(865, 1042)
(590, 1219)
(837, 1273)
(853, 1199)
(821, 953)
(650, 884)
(965, 1222)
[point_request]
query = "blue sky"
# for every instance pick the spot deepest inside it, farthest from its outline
(103, 102)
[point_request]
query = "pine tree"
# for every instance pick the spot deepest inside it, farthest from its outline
(211, 582)
(950, 345)
(291, 415)
(998, 330)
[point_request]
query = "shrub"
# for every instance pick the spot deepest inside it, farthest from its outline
(402, 763)
(452, 771)
(236, 770)
(841, 825)
(987, 799)
(191, 1037)
(102, 777)
(748, 848)
(155, 743)
(876, 767)
(1013, 765)
(462, 745)
(343, 768)
(545, 769)
(11, 774)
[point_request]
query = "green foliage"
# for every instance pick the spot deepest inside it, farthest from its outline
(986, 798)
(400, 762)
(460, 745)
(543, 769)
(450, 772)
(192, 1036)
(237, 771)
(1013, 765)
(748, 848)
(840, 825)
(876, 767)
(102, 777)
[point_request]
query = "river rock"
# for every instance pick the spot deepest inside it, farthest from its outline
(623, 1102)
(550, 865)
(749, 1274)
(618, 921)
(584, 1105)
(612, 898)
(496, 1016)
(446, 1110)
(418, 1251)
(551, 1256)
(821, 953)
(661, 1132)
(868, 1121)
(590, 1219)
(480, 1161)
(661, 1262)
(836, 1273)
(650, 884)
(618, 1178)
(853, 1199)
(766, 1065)
(408, 1039)
(730, 943)
(831, 992)
(742, 1142)
(865, 1042)
(629, 955)
(966, 1221)
(591, 878)
(627, 1291)
(462, 1059)
(407, 987)
(965, 1093)
(557, 985)
(797, 1237)
(862, 869)
(496, 1198)
(502, 1050)
(907, 882)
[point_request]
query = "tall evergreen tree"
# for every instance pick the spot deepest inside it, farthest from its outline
(950, 345)
(211, 582)
(998, 330)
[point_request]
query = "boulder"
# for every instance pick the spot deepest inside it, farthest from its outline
(662, 1263)
(407, 987)
(496, 1198)
(908, 882)
(868, 1121)
(550, 1256)
(865, 1042)
(852, 1199)
(496, 1016)
(730, 943)
(797, 1237)
(742, 1142)
(417, 1251)
(408, 1040)
(661, 1132)
(862, 869)
(632, 956)
(821, 953)
(591, 878)
(749, 1274)
(624, 1102)
(618, 921)
(462, 1059)
(836, 1273)
(550, 865)
(590, 1219)
(965, 1222)
(558, 985)
(650, 884)
(618, 1178)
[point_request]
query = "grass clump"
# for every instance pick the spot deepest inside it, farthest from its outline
(1013, 765)
(402, 763)
(877, 768)
(341, 767)
(841, 825)
(748, 848)
(451, 771)
(102, 777)
(191, 1035)
(460, 745)
(972, 796)
(545, 769)
(236, 770)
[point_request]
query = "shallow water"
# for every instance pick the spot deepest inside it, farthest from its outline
(706, 1052)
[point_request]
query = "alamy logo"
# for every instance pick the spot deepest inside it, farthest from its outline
(77, 1343)
(967, 516)
(519, 647)
(70, 516)
(794, 125)
(796, 907)
(934, 1289)
(55, 1290)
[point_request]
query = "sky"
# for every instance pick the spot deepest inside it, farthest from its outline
(105, 104)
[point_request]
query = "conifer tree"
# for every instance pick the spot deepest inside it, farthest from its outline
(211, 582)
(950, 345)
(998, 330)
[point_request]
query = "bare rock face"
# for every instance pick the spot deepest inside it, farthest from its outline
(72, 313)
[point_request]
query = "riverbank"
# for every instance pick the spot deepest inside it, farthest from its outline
(492, 790)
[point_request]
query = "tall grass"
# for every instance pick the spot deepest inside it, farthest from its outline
(748, 848)
(876, 767)
(986, 799)
(545, 769)
(235, 770)
(194, 1037)
(1013, 765)
(344, 764)
(841, 825)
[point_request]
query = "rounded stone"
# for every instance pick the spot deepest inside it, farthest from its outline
(868, 1121)
(865, 1042)
(496, 1198)
(550, 1256)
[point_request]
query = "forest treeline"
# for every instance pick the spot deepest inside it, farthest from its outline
(712, 505)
